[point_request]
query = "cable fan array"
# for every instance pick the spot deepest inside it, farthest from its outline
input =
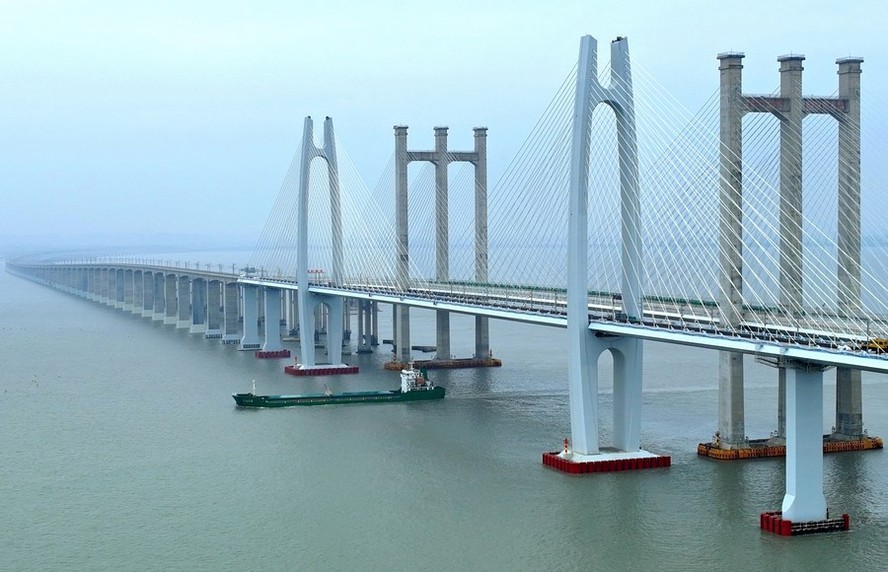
(679, 177)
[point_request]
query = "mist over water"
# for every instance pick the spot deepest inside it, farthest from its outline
(122, 449)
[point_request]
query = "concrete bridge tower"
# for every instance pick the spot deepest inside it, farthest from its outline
(441, 158)
(790, 107)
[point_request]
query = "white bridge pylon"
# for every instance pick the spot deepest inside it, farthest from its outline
(584, 346)
(308, 302)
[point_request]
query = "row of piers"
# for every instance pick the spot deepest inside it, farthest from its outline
(213, 304)
(216, 305)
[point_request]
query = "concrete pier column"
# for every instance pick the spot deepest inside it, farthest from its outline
(292, 311)
(102, 286)
(198, 306)
(119, 283)
(731, 415)
(183, 297)
(250, 340)
(260, 305)
(214, 309)
(91, 283)
(804, 500)
(109, 289)
(627, 393)
(101, 277)
(335, 309)
(360, 319)
(365, 309)
(171, 301)
(147, 310)
(346, 320)
(231, 313)
(272, 320)
(129, 288)
(368, 325)
(138, 292)
(849, 397)
(442, 238)
(482, 326)
(781, 404)
(402, 313)
(159, 313)
(374, 323)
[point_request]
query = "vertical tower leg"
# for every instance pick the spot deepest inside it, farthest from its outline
(482, 327)
(730, 380)
(442, 240)
(583, 391)
(849, 400)
(582, 376)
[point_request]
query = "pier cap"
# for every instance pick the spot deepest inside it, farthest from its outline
(791, 58)
(730, 55)
(850, 60)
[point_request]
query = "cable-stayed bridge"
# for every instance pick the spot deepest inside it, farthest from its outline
(750, 227)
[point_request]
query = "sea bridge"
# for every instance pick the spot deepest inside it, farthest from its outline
(692, 237)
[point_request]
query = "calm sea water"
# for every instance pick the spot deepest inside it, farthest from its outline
(121, 449)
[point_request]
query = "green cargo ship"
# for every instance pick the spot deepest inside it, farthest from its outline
(415, 386)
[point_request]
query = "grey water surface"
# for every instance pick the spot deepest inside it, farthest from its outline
(121, 449)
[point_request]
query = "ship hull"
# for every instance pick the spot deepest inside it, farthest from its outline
(250, 400)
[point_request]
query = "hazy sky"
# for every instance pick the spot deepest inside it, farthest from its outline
(168, 118)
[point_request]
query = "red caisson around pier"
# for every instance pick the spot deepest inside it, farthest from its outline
(609, 462)
(774, 522)
(273, 354)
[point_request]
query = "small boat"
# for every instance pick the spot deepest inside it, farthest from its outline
(415, 386)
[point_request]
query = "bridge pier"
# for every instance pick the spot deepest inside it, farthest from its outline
(183, 301)
(147, 310)
(214, 309)
(138, 293)
(250, 339)
(159, 297)
(364, 326)
(231, 313)
(272, 321)
(198, 306)
(121, 288)
(128, 289)
(804, 504)
(170, 300)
